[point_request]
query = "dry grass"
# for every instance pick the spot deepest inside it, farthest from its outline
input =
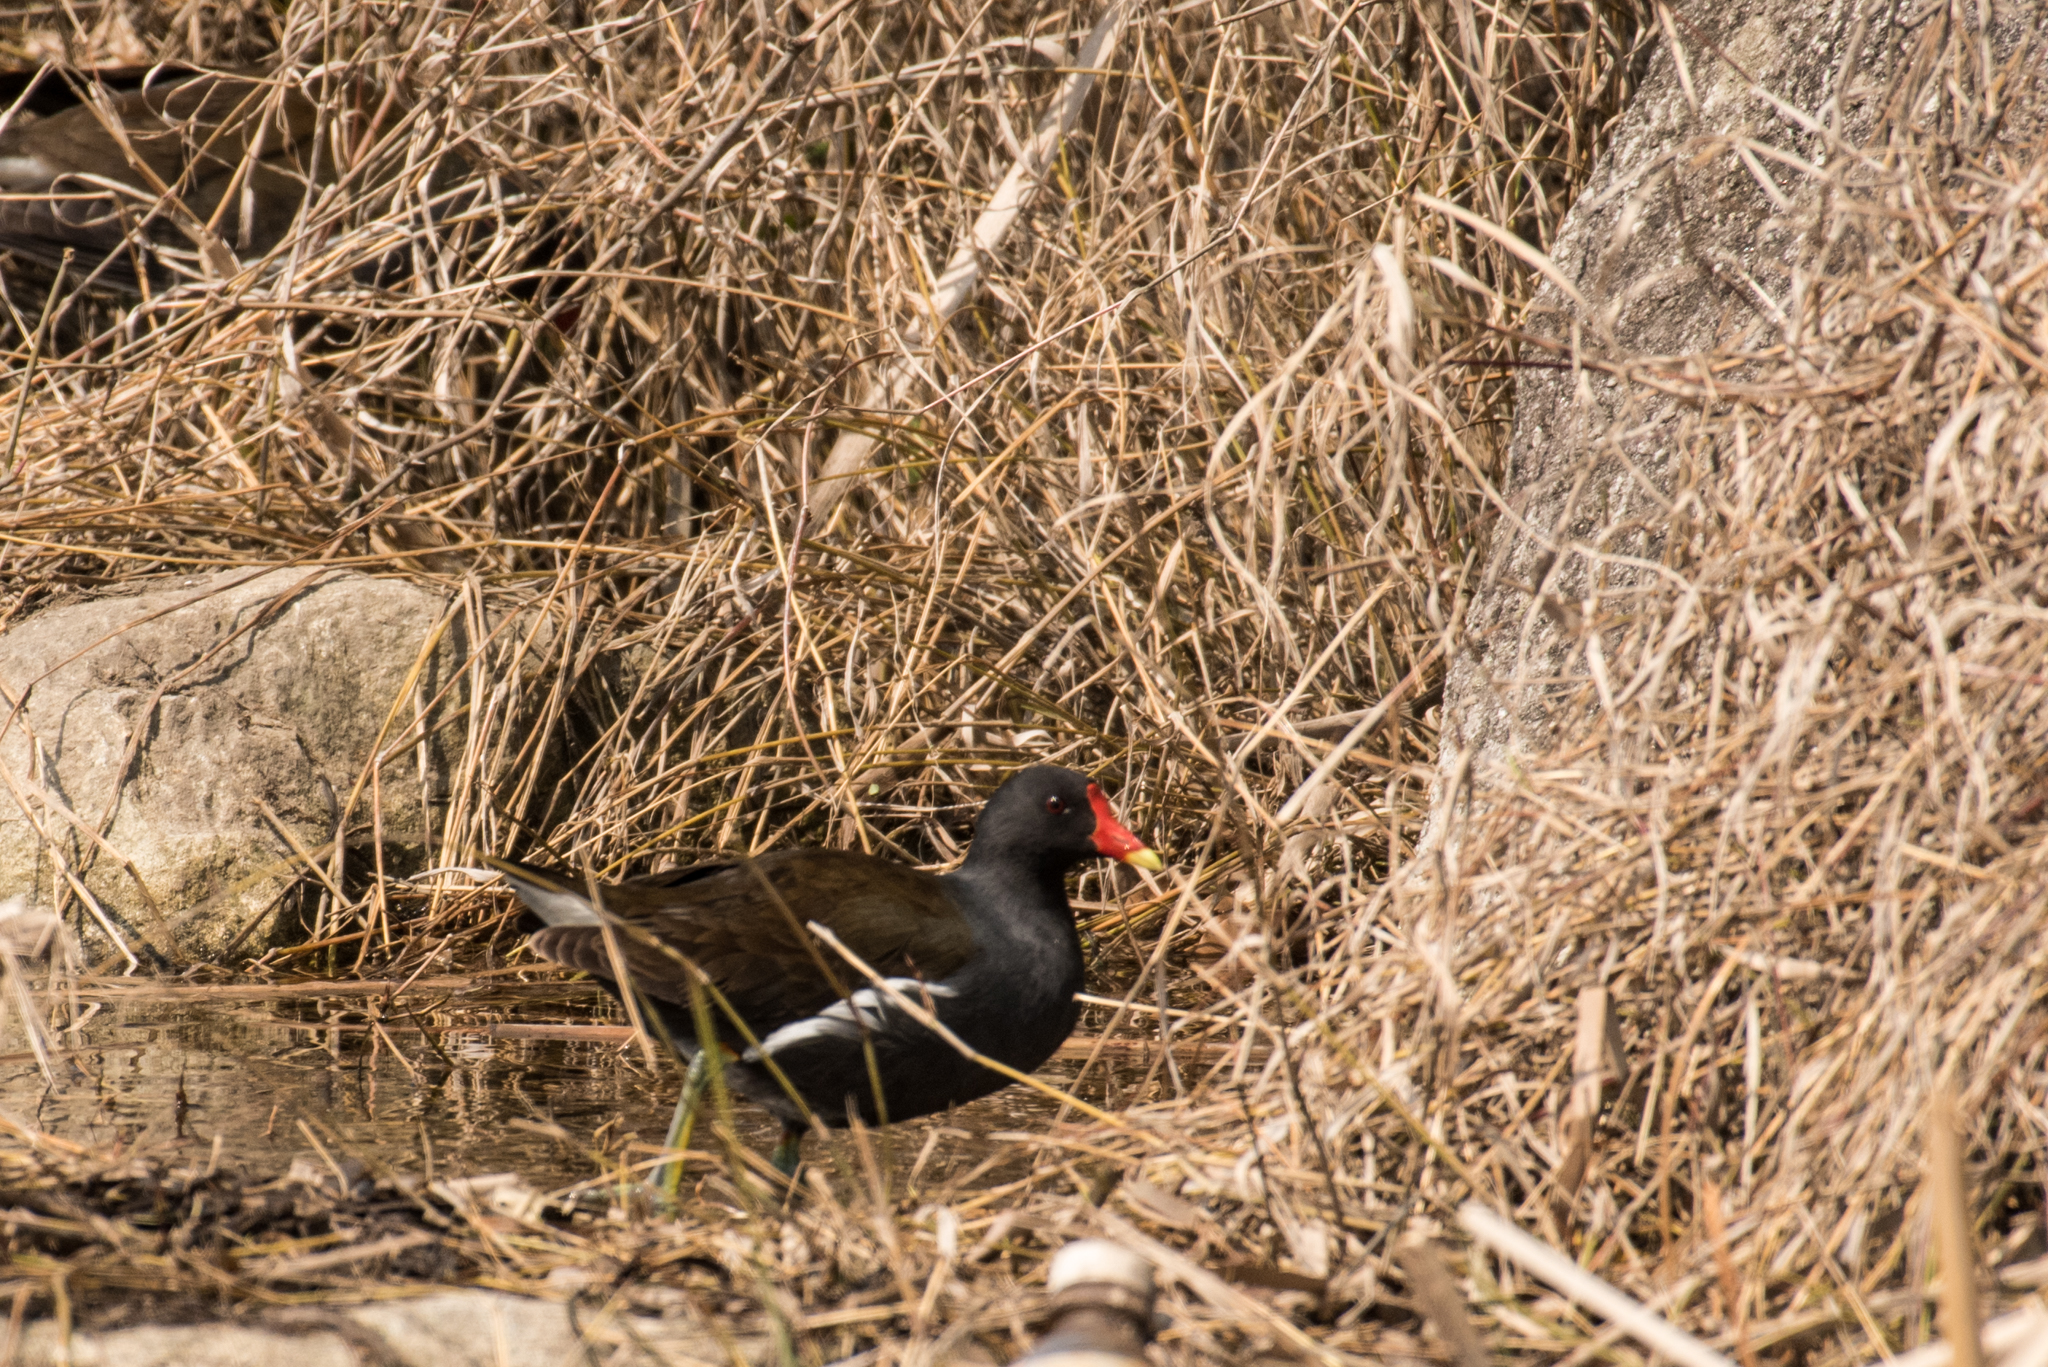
(1112, 524)
(1142, 516)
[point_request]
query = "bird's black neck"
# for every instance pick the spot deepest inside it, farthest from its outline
(1034, 875)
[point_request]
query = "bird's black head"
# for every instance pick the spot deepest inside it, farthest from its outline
(1051, 817)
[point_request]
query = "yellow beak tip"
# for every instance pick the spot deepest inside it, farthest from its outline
(1145, 859)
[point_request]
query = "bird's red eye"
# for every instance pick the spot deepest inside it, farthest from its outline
(1055, 805)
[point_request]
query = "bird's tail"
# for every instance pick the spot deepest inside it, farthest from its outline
(559, 899)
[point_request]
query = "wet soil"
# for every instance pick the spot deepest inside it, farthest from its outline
(195, 1151)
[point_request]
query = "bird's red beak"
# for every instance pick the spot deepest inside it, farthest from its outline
(1112, 840)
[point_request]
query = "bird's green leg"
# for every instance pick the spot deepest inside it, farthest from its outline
(668, 1178)
(788, 1150)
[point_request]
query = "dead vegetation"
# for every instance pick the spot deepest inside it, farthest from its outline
(1147, 508)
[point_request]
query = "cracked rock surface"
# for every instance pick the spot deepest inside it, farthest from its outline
(164, 750)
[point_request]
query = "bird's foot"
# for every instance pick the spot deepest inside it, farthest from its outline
(788, 1151)
(668, 1178)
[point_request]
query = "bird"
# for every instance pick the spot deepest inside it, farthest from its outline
(185, 158)
(147, 176)
(989, 950)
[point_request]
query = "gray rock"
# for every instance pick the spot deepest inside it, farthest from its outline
(1657, 247)
(443, 1329)
(1676, 239)
(171, 738)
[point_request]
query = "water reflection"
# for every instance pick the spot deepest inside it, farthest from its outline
(435, 1088)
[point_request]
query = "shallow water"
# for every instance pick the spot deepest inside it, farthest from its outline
(169, 1076)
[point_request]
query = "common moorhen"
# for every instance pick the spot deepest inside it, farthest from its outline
(989, 949)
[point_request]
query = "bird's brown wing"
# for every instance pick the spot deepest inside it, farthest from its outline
(191, 134)
(206, 127)
(900, 921)
(222, 116)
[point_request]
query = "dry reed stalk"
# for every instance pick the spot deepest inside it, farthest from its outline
(1431, 1287)
(1589, 1079)
(1731, 1282)
(1949, 1209)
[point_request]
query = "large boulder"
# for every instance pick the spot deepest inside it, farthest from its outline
(179, 753)
(1662, 250)
(1699, 234)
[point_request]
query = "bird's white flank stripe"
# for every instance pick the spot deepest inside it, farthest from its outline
(837, 1021)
